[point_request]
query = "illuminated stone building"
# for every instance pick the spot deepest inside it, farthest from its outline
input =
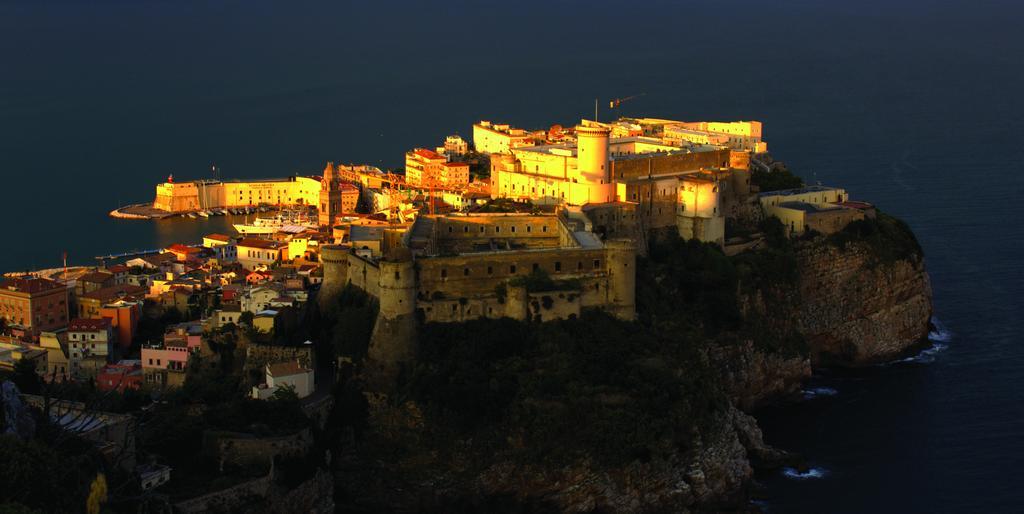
(336, 197)
(33, 305)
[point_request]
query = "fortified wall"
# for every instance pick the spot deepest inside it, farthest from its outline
(459, 268)
(215, 194)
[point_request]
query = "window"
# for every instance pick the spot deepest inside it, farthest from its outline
(528, 228)
(490, 270)
(536, 266)
(444, 273)
(449, 229)
(558, 266)
(398, 275)
(579, 266)
(597, 263)
(544, 228)
(513, 229)
(512, 269)
(465, 272)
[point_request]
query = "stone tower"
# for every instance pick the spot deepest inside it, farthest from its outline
(621, 257)
(330, 197)
(394, 334)
(334, 259)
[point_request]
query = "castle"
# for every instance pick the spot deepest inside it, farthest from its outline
(536, 267)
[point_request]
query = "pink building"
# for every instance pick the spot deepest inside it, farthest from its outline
(165, 364)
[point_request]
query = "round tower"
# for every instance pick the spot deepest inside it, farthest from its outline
(621, 258)
(592, 154)
(394, 334)
(334, 259)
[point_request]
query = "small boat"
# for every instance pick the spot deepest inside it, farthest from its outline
(191, 215)
(204, 214)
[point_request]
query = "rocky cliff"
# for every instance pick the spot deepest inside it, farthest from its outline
(857, 308)
(646, 416)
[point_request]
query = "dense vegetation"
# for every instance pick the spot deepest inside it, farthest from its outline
(592, 387)
(777, 177)
(598, 387)
(890, 238)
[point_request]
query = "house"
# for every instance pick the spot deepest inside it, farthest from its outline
(93, 281)
(90, 337)
(254, 252)
(185, 253)
(223, 247)
(33, 305)
(120, 272)
(263, 321)
(58, 363)
(228, 314)
(12, 351)
(124, 317)
(258, 299)
(120, 376)
(285, 374)
(90, 305)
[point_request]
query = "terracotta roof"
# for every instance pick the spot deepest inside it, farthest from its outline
(88, 325)
(427, 154)
(97, 277)
(219, 237)
(262, 243)
(455, 164)
(30, 285)
(109, 293)
(283, 369)
(118, 268)
(182, 248)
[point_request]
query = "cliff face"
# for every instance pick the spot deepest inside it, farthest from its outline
(856, 308)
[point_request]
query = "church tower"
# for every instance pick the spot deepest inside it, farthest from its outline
(330, 197)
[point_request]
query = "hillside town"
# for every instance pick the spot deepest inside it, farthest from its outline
(532, 225)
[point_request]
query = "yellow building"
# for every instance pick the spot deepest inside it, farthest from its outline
(212, 194)
(493, 138)
(558, 174)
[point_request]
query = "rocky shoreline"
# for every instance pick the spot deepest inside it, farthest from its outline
(850, 305)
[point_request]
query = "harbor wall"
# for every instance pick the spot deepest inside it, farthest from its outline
(173, 197)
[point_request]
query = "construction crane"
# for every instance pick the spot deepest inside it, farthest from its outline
(614, 104)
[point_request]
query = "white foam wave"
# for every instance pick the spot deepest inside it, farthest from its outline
(818, 392)
(814, 472)
(927, 355)
(940, 334)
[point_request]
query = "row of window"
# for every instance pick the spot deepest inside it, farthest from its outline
(512, 269)
(497, 228)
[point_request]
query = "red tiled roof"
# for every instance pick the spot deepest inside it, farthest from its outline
(88, 325)
(108, 293)
(427, 154)
(455, 164)
(262, 243)
(283, 369)
(182, 248)
(97, 277)
(30, 285)
(219, 237)
(118, 268)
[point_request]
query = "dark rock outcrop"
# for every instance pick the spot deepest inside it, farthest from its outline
(856, 309)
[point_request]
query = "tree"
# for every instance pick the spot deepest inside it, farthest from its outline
(246, 318)
(26, 378)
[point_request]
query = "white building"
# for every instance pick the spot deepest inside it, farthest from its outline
(285, 374)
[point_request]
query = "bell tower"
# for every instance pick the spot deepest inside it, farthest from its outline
(330, 197)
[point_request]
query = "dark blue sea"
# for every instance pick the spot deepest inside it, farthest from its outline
(917, 106)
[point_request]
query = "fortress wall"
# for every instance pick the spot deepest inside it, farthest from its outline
(364, 274)
(626, 169)
(476, 274)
